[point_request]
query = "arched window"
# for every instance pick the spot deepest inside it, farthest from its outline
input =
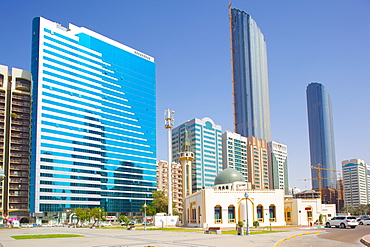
(199, 214)
(218, 214)
(309, 213)
(231, 214)
(287, 214)
(260, 213)
(272, 213)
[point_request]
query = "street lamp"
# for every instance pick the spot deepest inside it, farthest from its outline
(246, 205)
(168, 124)
(145, 216)
(99, 218)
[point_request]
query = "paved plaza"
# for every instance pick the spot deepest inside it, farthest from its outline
(123, 237)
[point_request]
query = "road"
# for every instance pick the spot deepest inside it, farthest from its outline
(337, 237)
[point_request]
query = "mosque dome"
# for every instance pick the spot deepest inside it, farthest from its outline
(228, 176)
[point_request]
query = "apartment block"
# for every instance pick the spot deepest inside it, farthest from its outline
(258, 167)
(15, 104)
(162, 182)
(356, 178)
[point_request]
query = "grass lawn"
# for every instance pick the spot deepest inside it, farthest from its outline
(46, 236)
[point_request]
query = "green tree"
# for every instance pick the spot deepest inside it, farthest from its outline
(160, 201)
(97, 214)
(83, 214)
(125, 219)
(150, 210)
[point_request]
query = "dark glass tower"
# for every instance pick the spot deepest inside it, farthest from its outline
(249, 76)
(321, 133)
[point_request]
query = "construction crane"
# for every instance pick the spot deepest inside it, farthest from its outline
(319, 178)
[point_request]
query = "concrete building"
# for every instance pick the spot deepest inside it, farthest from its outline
(94, 122)
(249, 77)
(162, 182)
(225, 204)
(278, 166)
(257, 158)
(305, 208)
(234, 152)
(15, 104)
(206, 144)
(356, 180)
(321, 136)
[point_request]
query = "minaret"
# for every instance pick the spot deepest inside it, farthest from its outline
(186, 157)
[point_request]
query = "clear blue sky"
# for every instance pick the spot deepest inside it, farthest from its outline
(307, 41)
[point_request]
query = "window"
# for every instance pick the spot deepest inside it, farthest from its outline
(218, 214)
(272, 213)
(287, 214)
(231, 214)
(260, 213)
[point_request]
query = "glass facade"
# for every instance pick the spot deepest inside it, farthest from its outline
(206, 144)
(93, 141)
(250, 77)
(321, 135)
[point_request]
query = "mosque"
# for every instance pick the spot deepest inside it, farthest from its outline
(231, 200)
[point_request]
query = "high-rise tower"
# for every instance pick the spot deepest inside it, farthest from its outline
(249, 77)
(15, 104)
(321, 133)
(206, 144)
(93, 121)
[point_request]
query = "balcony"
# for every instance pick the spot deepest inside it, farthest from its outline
(21, 135)
(19, 180)
(21, 129)
(18, 201)
(19, 187)
(15, 167)
(19, 109)
(21, 161)
(19, 141)
(21, 103)
(20, 122)
(21, 97)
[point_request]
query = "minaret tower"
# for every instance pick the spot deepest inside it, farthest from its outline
(186, 157)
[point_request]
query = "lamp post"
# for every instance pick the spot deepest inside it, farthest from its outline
(246, 206)
(168, 124)
(99, 218)
(145, 216)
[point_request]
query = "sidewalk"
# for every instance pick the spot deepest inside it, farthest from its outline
(139, 238)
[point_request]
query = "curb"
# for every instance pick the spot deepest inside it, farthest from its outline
(279, 242)
(364, 241)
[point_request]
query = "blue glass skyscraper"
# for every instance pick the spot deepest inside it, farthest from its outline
(249, 77)
(93, 121)
(321, 135)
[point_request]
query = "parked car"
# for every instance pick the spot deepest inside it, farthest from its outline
(131, 223)
(123, 223)
(365, 220)
(342, 222)
(105, 224)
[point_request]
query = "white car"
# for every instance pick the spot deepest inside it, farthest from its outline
(364, 221)
(342, 222)
(105, 224)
